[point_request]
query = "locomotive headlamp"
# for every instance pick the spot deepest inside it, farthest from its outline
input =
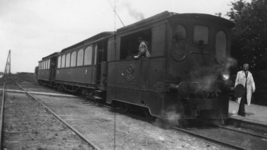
(225, 75)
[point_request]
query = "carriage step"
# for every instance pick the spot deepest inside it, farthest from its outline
(97, 98)
(98, 91)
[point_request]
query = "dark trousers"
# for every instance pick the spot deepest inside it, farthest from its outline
(241, 110)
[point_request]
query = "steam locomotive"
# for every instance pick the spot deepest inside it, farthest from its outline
(187, 73)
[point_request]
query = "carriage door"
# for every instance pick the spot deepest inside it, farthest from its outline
(53, 65)
(101, 62)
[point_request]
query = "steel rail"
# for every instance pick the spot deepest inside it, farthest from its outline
(244, 132)
(53, 113)
(209, 139)
(2, 114)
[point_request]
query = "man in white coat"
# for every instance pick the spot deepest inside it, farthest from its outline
(245, 78)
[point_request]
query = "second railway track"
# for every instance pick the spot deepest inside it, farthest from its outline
(28, 124)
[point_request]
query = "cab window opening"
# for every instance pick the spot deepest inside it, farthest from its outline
(178, 50)
(201, 35)
(221, 43)
(130, 44)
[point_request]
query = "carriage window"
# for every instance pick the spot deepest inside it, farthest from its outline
(59, 62)
(46, 64)
(88, 55)
(63, 61)
(49, 64)
(68, 60)
(221, 43)
(43, 65)
(201, 34)
(95, 54)
(73, 59)
(80, 58)
(179, 43)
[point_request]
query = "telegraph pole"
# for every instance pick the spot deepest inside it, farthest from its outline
(8, 64)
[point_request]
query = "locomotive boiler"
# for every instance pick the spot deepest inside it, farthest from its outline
(187, 72)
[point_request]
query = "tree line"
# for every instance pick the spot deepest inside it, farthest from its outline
(249, 42)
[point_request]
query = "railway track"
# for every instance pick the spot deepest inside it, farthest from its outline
(231, 137)
(40, 128)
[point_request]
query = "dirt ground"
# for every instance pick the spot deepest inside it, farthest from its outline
(28, 126)
(109, 130)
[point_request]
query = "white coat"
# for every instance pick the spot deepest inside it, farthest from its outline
(241, 79)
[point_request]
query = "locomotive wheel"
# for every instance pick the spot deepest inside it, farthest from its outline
(124, 108)
(91, 95)
(84, 92)
(148, 115)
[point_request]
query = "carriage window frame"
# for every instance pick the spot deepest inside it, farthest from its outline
(80, 58)
(48, 63)
(88, 53)
(63, 61)
(225, 45)
(59, 62)
(194, 32)
(73, 60)
(67, 60)
(95, 54)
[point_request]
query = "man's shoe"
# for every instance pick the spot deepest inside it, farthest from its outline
(243, 115)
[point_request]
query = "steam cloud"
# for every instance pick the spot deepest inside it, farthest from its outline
(208, 75)
(171, 118)
(132, 12)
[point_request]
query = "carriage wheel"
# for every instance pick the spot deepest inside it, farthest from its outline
(60, 88)
(148, 115)
(91, 95)
(124, 108)
(84, 92)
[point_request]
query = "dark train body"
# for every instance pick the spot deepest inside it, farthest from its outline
(185, 73)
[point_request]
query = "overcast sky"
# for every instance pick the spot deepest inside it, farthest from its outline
(33, 29)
